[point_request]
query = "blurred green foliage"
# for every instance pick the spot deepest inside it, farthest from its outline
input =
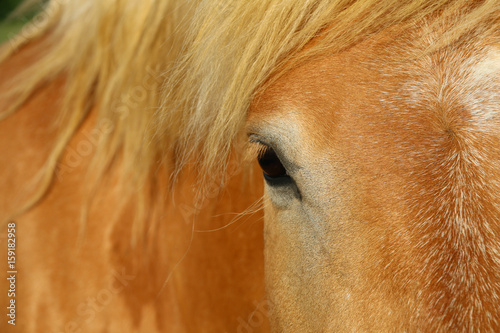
(8, 30)
(9, 27)
(7, 6)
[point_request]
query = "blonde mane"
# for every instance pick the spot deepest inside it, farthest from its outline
(215, 55)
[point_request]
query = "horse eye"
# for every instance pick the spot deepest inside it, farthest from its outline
(271, 164)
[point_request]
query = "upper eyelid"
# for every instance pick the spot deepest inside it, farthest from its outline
(289, 165)
(255, 138)
(257, 146)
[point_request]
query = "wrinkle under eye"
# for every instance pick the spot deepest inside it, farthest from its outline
(271, 164)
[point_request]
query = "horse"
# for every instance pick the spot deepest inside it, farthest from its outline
(230, 166)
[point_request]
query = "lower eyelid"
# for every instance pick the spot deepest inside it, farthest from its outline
(277, 179)
(286, 185)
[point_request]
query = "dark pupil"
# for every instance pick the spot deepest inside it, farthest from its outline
(271, 164)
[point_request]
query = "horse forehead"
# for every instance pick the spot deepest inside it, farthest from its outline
(488, 65)
(386, 75)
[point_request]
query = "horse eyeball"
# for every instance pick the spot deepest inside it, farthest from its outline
(271, 164)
